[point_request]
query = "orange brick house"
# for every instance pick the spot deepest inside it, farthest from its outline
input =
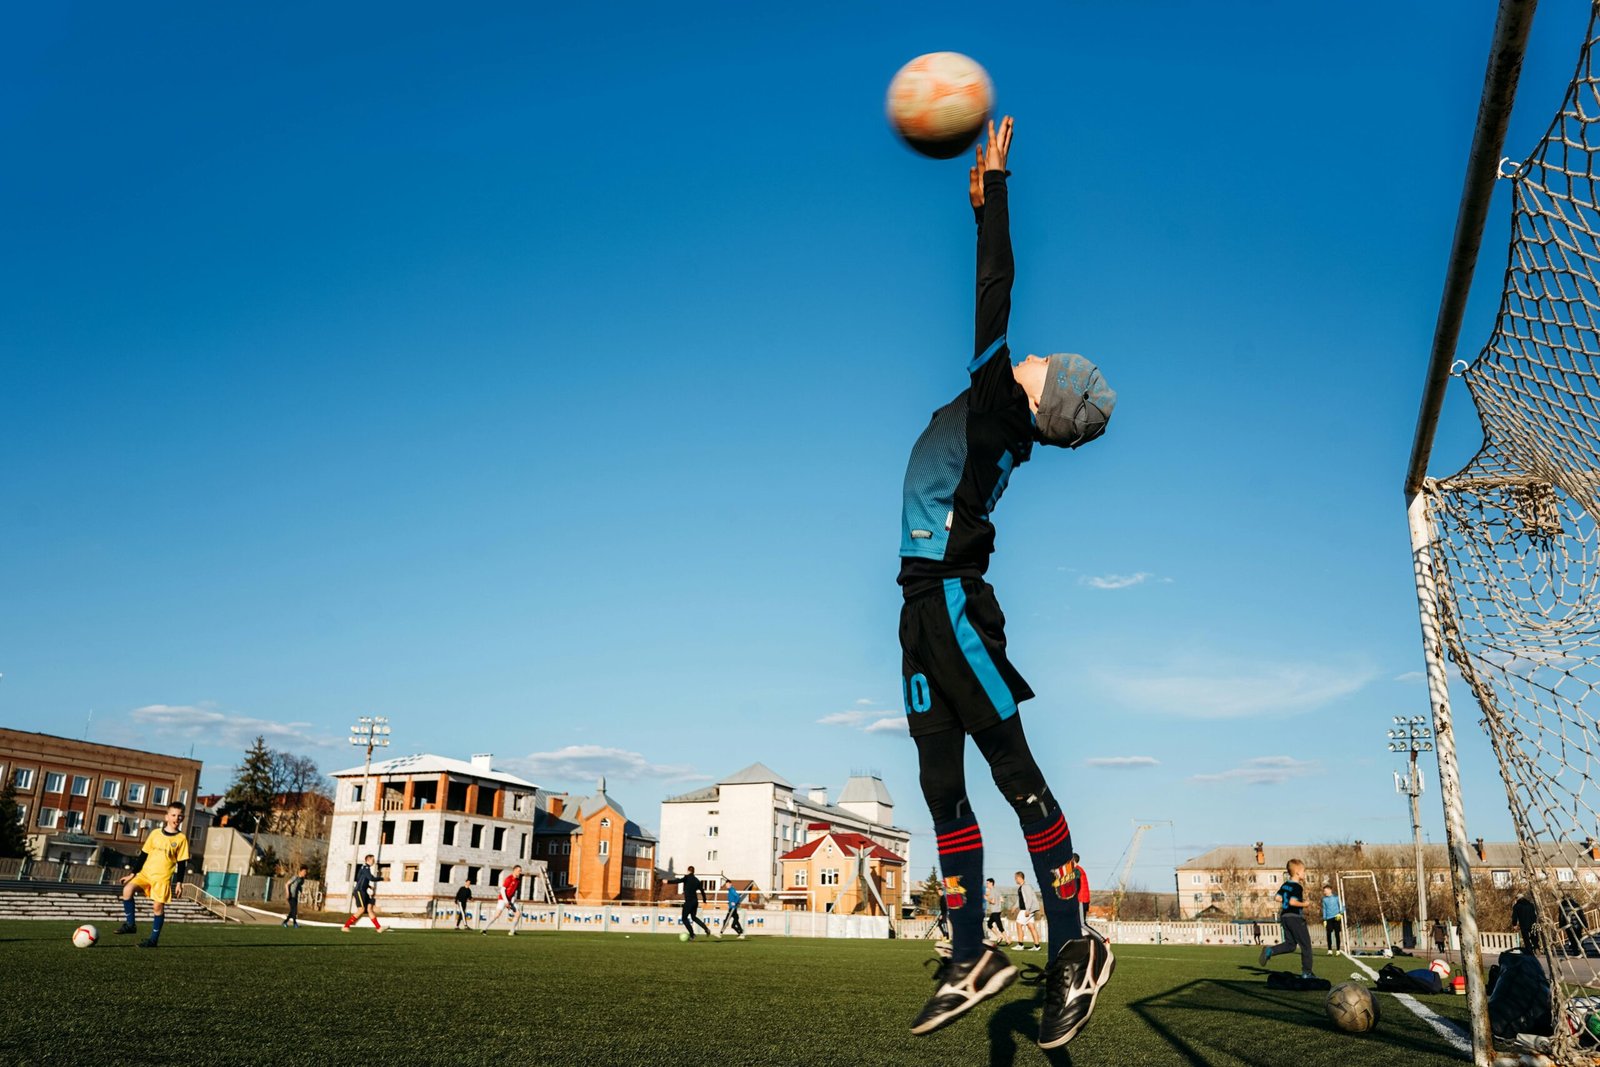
(595, 853)
(829, 872)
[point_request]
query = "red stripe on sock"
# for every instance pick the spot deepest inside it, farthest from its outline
(955, 836)
(1045, 845)
(1060, 821)
(960, 848)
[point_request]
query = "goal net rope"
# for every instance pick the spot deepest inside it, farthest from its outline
(1517, 564)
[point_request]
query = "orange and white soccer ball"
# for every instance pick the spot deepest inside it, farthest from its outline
(939, 102)
(85, 936)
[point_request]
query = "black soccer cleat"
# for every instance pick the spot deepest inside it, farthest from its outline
(149, 942)
(961, 986)
(1072, 982)
(126, 928)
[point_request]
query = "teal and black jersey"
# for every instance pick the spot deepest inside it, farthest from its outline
(962, 462)
(1290, 891)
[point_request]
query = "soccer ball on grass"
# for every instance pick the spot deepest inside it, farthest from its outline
(1352, 1007)
(85, 936)
(684, 936)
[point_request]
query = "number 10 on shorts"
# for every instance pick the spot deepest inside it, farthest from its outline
(918, 696)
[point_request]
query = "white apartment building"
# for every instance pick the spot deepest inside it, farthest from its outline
(737, 828)
(442, 821)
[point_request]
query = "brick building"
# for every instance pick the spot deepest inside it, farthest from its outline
(84, 802)
(594, 852)
(832, 872)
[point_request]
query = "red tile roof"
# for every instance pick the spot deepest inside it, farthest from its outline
(852, 844)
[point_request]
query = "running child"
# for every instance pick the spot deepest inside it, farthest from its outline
(365, 893)
(1291, 916)
(957, 678)
(731, 917)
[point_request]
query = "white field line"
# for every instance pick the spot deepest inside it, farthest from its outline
(1458, 1038)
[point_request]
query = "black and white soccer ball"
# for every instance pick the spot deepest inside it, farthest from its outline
(1352, 1007)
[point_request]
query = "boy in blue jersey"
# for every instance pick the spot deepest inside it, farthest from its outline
(731, 916)
(1332, 919)
(1291, 916)
(957, 679)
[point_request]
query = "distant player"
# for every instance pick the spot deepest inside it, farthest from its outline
(297, 885)
(957, 680)
(994, 908)
(507, 902)
(1332, 919)
(158, 872)
(1083, 895)
(1025, 914)
(1291, 916)
(463, 901)
(365, 893)
(731, 917)
(693, 893)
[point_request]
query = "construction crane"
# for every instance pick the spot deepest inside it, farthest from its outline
(1129, 855)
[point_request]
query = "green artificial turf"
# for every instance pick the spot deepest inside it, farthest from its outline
(263, 994)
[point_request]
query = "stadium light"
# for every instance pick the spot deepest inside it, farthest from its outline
(1413, 735)
(372, 731)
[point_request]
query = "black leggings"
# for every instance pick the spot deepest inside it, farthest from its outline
(944, 784)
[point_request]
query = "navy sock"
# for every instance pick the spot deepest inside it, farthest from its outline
(127, 910)
(960, 846)
(155, 927)
(1050, 848)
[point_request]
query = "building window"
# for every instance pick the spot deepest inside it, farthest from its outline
(388, 831)
(888, 879)
(605, 848)
(830, 876)
(109, 789)
(80, 785)
(494, 876)
(566, 848)
(408, 873)
(445, 872)
(711, 856)
(356, 789)
(477, 836)
(605, 824)
(499, 839)
(74, 822)
(800, 877)
(54, 781)
(158, 795)
(1564, 874)
(473, 873)
(362, 837)
(22, 777)
(522, 847)
(135, 792)
(102, 824)
(414, 836)
(449, 831)
(711, 831)
(1195, 879)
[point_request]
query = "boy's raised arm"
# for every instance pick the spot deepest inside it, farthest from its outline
(986, 189)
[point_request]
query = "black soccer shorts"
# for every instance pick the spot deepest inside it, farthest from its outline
(955, 674)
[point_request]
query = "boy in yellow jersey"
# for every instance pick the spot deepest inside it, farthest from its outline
(160, 868)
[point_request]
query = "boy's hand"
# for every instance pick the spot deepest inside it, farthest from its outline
(998, 146)
(975, 180)
(126, 879)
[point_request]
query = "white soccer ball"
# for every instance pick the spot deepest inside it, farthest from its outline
(85, 936)
(1440, 968)
(939, 102)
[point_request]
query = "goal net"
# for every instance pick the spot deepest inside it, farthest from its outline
(1516, 559)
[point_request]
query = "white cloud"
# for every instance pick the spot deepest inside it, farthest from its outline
(585, 763)
(204, 722)
(1121, 761)
(1115, 581)
(1410, 677)
(871, 721)
(1263, 770)
(1220, 692)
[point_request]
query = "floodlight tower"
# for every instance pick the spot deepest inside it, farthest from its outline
(372, 731)
(1413, 735)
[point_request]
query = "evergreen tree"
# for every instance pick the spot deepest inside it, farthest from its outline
(248, 802)
(931, 890)
(13, 838)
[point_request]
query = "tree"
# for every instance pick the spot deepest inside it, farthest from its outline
(298, 790)
(928, 896)
(13, 842)
(248, 802)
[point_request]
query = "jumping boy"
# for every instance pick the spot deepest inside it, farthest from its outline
(957, 679)
(507, 901)
(1291, 916)
(366, 896)
(158, 870)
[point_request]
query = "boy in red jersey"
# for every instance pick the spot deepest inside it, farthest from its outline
(507, 901)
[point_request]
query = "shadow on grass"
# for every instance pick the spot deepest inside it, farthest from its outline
(1172, 1015)
(1017, 1023)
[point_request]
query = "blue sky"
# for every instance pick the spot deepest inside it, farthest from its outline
(544, 380)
